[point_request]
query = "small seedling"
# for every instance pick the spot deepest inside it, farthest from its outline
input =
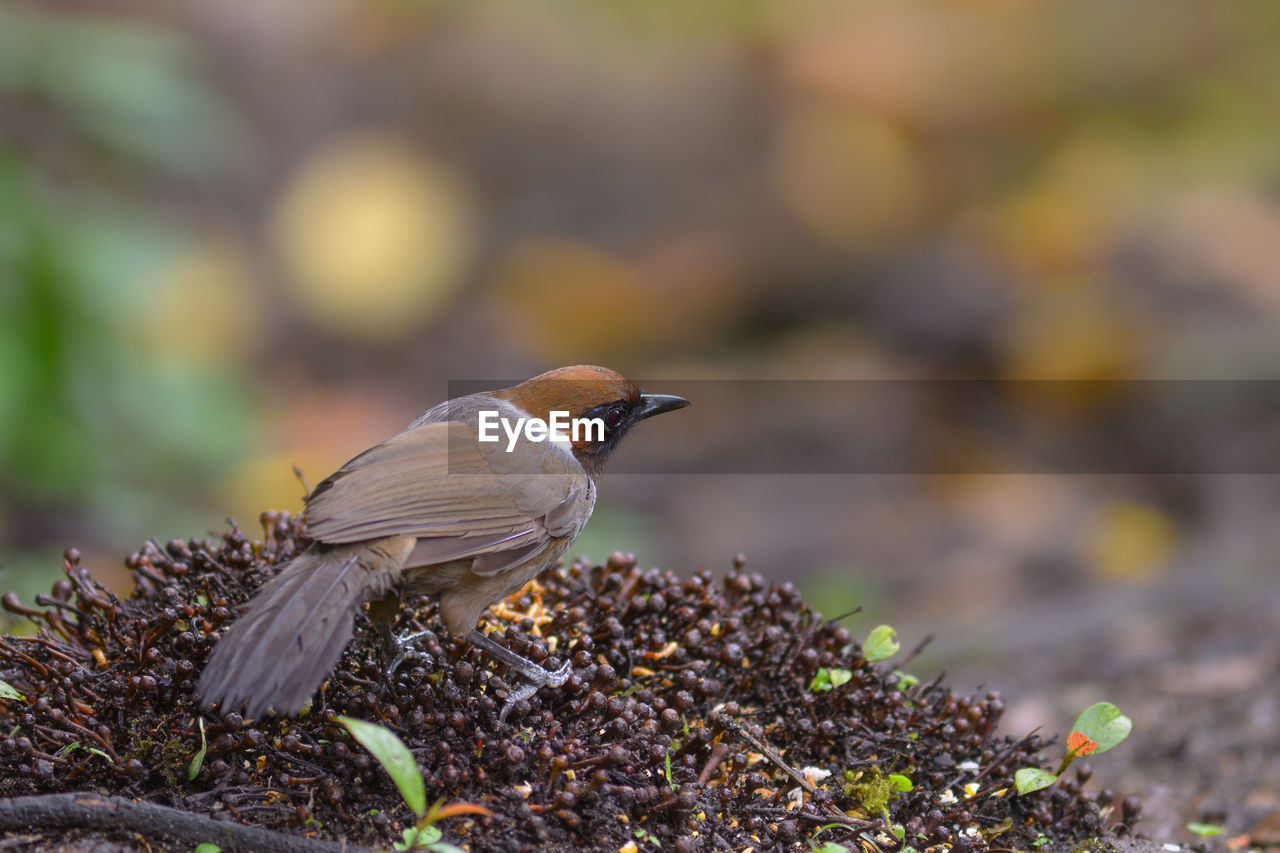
(905, 680)
(397, 760)
(816, 846)
(1206, 830)
(830, 847)
(7, 691)
(1098, 728)
(198, 761)
(899, 782)
(881, 644)
(825, 680)
(647, 837)
(207, 847)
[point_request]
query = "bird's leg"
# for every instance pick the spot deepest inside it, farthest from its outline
(383, 610)
(535, 676)
(400, 647)
(533, 673)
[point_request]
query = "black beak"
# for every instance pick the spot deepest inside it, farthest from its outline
(656, 404)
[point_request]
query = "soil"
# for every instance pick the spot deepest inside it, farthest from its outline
(702, 714)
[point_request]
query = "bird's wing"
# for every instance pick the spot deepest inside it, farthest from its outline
(460, 498)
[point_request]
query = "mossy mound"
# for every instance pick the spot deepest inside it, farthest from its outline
(690, 722)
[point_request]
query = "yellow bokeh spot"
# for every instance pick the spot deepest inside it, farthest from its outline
(1131, 542)
(1066, 217)
(1066, 346)
(849, 177)
(202, 306)
(1070, 329)
(268, 482)
(374, 236)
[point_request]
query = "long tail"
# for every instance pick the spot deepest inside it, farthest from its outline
(281, 649)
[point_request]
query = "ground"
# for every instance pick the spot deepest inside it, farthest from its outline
(703, 714)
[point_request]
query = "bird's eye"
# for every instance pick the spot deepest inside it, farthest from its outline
(615, 416)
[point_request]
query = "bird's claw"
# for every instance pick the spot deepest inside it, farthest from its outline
(515, 695)
(560, 676)
(400, 649)
(534, 678)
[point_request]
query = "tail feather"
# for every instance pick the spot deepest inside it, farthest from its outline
(281, 649)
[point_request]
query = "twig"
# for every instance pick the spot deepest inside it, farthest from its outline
(997, 760)
(771, 754)
(923, 690)
(718, 754)
(302, 478)
(915, 653)
(60, 812)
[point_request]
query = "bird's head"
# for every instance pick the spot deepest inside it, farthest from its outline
(590, 393)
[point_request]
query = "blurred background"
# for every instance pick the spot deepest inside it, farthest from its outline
(237, 237)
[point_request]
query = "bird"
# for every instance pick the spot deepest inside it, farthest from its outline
(440, 509)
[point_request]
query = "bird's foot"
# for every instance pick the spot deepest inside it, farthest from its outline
(400, 648)
(543, 678)
(535, 676)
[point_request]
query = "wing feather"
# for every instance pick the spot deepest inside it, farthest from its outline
(460, 498)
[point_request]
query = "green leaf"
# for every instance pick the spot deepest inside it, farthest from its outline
(827, 827)
(900, 782)
(1030, 779)
(419, 837)
(826, 679)
(882, 644)
(1103, 723)
(1204, 830)
(198, 761)
(7, 691)
(206, 847)
(444, 847)
(831, 847)
(905, 679)
(394, 757)
(647, 837)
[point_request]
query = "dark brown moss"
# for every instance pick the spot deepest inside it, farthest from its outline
(687, 697)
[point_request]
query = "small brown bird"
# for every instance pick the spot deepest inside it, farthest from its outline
(467, 503)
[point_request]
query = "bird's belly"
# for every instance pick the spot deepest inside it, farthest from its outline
(456, 575)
